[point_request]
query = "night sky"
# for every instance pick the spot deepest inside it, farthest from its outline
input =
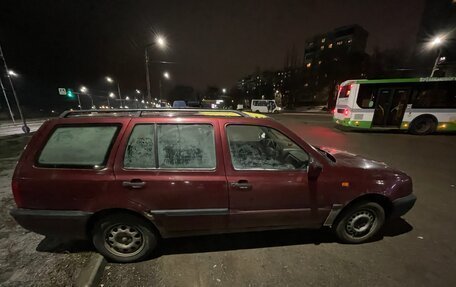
(68, 43)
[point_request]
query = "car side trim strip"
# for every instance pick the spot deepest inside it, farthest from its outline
(335, 210)
(190, 212)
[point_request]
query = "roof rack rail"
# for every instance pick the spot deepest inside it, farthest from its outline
(139, 112)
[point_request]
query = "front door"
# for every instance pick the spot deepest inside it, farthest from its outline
(382, 107)
(267, 179)
(398, 106)
(173, 172)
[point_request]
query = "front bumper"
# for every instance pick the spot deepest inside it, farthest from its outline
(402, 205)
(61, 223)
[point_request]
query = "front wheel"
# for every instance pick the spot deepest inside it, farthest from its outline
(360, 222)
(124, 237)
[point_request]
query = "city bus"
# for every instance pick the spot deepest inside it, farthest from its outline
(417, 105)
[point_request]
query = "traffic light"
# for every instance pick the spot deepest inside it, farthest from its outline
(70, 93)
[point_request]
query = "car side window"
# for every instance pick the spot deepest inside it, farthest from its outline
(78, 146)
(186, 146)
(263, 148)
(140, 152)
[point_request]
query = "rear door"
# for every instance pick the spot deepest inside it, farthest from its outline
(173, 170)
(69, 164)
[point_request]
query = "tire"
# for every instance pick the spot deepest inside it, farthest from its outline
(124, 237)
(360, 222)
(423, 126)
(258, 112)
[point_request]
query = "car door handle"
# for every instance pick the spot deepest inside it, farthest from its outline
(135, 184)
(241, 185)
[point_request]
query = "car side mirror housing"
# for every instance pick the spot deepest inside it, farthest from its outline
(314, 169)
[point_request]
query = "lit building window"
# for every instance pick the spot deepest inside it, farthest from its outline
(319, 62)
(323, 40)
(322, 47)
(308, 65)
(339, 43)
(330, 46)
(349, 41)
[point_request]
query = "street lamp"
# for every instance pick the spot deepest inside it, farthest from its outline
(167, 77)
(437, 41)
(12, 73)
(110, 80)
(224, 90)
(111, 95)
(161, 43)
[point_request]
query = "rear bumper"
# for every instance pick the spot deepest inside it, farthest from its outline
(68, 224)
(402, 205)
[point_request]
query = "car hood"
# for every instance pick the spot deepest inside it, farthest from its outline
(347, 159)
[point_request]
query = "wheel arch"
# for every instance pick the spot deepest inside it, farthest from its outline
(380, 199)
(105, 212)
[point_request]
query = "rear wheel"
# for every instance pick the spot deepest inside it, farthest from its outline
(124, 237)
(360, 222)
(423, 126)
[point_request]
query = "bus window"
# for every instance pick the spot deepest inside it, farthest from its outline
(366, 96)
(436, 95)
(344, 91)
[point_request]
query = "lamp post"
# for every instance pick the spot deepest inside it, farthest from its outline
(437, 42)
(25, 128)
(84, 90)
(7, 101)
(160, 42)
(110, 80)
(165, 76)
(111, 95)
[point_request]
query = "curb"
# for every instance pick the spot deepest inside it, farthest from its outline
(90, 275)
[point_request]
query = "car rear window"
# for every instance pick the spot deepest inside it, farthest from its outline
(78, 146)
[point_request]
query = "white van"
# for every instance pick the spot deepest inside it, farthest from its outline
(264, 106)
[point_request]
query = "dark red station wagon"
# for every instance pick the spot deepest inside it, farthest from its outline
(126, 178)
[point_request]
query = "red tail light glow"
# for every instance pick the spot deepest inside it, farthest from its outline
(346, 112)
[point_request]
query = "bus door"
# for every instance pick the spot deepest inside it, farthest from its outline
(390, 107)
(398, 105)
(382, 107)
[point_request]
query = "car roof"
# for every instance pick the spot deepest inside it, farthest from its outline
(159, 112)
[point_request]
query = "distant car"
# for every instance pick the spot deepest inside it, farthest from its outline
(179, 104)
(126, 179)
(264, 106)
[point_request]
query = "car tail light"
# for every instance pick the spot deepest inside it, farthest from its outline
(346, 112)
(16, 192)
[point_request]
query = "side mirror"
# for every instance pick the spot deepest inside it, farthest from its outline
(313, 170)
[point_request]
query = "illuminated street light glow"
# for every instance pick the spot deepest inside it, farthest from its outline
(166, 75)
(437, 41)
(138, 91)
(142, 102)
(109, 79)
(83, 89)
(112, 95)
(224, 90)
(127, 98)
(12, 73)
(160, 41)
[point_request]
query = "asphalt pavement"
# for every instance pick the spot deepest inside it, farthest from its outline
(418, 250)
